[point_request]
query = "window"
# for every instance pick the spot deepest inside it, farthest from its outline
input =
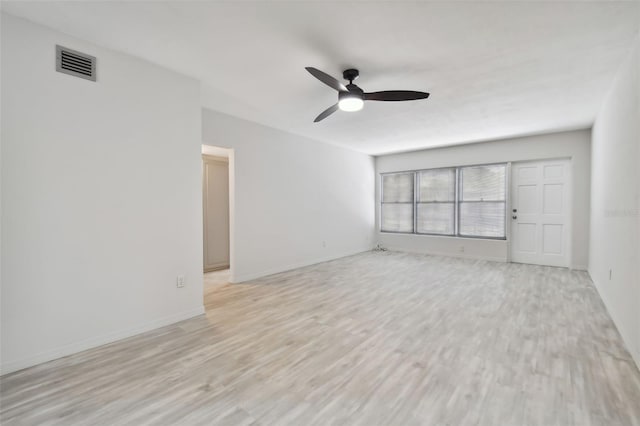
(482, 201)
(397, 202)
(436, 202)
(457, 201)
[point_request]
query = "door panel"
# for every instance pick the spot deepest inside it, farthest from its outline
(552, 198)
(528, 199)
(553, 171)
(527, 233)
(552, 239)
(540, 216)
(527, 173)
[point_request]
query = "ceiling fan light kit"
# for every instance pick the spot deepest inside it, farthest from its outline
(349, 102)
(351, 97)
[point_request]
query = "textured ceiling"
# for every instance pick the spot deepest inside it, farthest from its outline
(494, 69)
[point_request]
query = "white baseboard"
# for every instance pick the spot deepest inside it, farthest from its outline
(62, 351)
(448, 254)
(626, 337)
(276, 270)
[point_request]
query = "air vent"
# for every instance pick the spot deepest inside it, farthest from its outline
(75, 63)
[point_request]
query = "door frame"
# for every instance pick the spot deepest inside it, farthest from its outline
(208, 158)
(511, 197)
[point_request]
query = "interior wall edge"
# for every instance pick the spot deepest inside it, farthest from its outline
(466, 143)
(249, 276)
(614, 249)
(11, 366)
(626, 335)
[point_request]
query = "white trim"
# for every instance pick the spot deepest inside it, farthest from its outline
(624, 333)
(72, 348)
(448, 254)
(235, 279)
(508, 209)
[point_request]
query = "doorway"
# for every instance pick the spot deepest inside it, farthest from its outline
(540, 215)
(217, 220)
(215, 205)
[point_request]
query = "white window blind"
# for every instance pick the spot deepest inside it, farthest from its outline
(436, 202)
(456, 201)
(397, 202)
(482, 201)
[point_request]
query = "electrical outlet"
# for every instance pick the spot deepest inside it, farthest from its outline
(180, 281)
(461, 249)
(324, 244)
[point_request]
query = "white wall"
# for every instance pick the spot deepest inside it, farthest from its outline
(615, 202)
(574, 145)
(101, 196)
(290, 195)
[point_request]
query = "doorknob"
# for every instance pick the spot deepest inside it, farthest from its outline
(514, 217)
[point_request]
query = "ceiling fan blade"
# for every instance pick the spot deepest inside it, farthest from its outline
(395, 95)
(327, 79)
(327, 112)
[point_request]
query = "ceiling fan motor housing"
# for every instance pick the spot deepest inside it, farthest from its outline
(350, 74)
(353, 92)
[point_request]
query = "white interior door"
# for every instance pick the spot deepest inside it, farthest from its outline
(215, 194)
(540, 212)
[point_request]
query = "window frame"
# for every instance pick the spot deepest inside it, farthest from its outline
(457, 202)
(454, 202)
(413, 202)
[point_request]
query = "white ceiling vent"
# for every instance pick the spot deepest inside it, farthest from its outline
(75, 63)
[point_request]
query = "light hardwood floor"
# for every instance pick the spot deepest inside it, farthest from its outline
(215, 279)
(374, 339)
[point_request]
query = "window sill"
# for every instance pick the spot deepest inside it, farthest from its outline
(460, 237)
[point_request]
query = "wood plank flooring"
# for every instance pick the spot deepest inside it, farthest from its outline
(379, 338)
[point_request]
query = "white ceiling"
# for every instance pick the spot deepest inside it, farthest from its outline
(494, 69)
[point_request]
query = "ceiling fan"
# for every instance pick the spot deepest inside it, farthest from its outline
(351, 97)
